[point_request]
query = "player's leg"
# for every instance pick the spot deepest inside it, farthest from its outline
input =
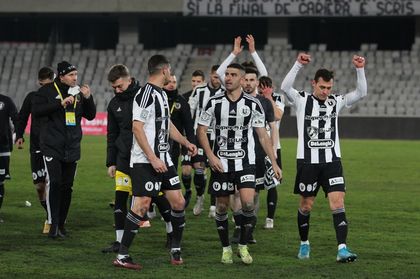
(171, 186)
(3, 163)
(186, 169)
(165, 211)
(303, 216)
(38, 178)
(272, 198)
(200, 184)
(236, 206)
(69, 172)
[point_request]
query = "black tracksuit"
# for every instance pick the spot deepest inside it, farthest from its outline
(60, 145)
(181, 118)
(119, 129)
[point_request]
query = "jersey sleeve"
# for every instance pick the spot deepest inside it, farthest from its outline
(142, 105)
(207, 114)
(287, 84)
(258, 116)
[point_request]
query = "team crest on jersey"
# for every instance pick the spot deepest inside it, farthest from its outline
(1, 105)
(221, 141)
(245, 111)
(312, 131)
(144, 114)
(177, 105)
(331, 102)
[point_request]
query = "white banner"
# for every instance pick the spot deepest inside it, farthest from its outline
(307, 8)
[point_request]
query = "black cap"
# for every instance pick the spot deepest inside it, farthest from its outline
(64, 67)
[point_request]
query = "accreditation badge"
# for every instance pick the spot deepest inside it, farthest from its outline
(70, 118)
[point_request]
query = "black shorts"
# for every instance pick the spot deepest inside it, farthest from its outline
(146, 182)
(185, 158)
(38, 168)
(223, 184)
(4, 167)
(278, 160)
(310, 177)
(201, 155)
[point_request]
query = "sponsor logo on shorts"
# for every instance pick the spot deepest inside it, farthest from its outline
(163, 147)
(224, 186)
(247, 178)
(321, 144)
(307, 188)
(174, 180)
(231, 154)
(150, 185)
(259, 181)
(200, 151)
(336, 180)
(217, 186)
(2, 171)
(34, 176)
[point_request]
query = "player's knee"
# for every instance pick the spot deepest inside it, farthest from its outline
(248, 206)
(222, 208)
(178, 204)
(306, 206)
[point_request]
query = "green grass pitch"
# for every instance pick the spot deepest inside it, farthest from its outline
(382, 205)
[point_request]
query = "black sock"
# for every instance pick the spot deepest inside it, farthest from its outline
(303, 224)
(164, 207)
(199, 181)
(271, 202)
(130, 229)
(178, 224)
(186, 180)
(340, 225)
(44, 205)
(248, 217)
(120, 209)
(1, 193)
(212, 200)
(222, 228)
(237, 216)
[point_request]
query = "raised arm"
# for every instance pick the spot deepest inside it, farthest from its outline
(258, 62)
(361, 87)
(237, 48)
(287, 84)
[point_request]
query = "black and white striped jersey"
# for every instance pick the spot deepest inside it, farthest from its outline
(233, 124)
(279, 100)
(151, 107)
(198, 100)
(317, 121)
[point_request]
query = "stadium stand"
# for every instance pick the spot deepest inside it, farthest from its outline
(393, 76)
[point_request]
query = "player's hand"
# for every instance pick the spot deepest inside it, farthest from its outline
(237, 48)
(251, 43)
(67, 101)
(85, 90)
(19, 143)
(266, 91)
(192, 149)
(111, 171)
(277, 171)
(158, 165)
(215, 164)
(303, 58)
(358, 61)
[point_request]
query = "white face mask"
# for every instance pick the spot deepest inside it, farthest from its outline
(74, 90)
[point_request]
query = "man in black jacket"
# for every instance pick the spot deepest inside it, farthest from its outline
(45, 76)
(61, 105)
(8, 112)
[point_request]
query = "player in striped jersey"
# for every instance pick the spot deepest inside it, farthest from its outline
(197, 101)
(318, 153)
(234, 115)
(266, 89)
(151, 166)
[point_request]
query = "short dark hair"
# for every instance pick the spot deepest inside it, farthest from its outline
(45, 73)
(251, 70)
(156, 63)
(266, 81)
(198, 73)
(325, 74)
(118, 71)
(236, 66)
(248, 64)
(214, 68)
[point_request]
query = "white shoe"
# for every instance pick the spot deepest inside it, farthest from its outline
(212, 211)
(269, 223)
(199, 205)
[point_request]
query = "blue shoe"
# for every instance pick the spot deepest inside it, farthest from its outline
(304, 251)
(344, 255)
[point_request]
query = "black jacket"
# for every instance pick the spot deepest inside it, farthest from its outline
(56, 139)
(120, 123)
(180, 117)
(8, 112)
(24, 113)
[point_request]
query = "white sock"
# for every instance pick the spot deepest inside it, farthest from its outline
(119, 234)
(304, 242)
(120, 257)
(168, 227)
(227, 248)
(341, 246)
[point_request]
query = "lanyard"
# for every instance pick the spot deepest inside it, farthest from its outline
(61, 96)
(172, 108)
